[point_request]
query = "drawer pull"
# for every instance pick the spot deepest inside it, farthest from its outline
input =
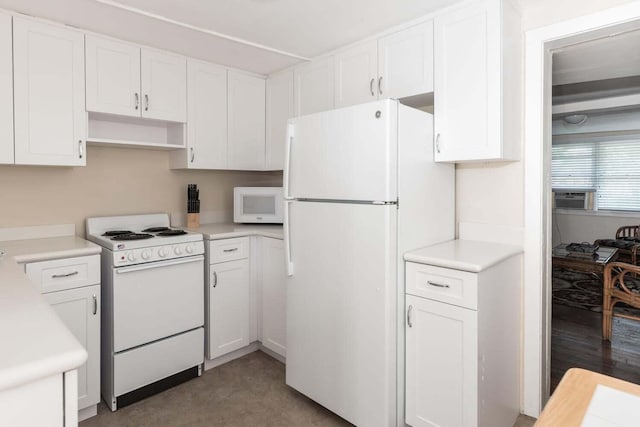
(230, 250)
(437, 285)
(409, 311)
(58, 276)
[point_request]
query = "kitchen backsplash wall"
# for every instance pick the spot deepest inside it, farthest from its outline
(116, 181)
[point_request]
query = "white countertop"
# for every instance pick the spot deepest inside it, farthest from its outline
(35, 342)
(467, 255)
(227, 230)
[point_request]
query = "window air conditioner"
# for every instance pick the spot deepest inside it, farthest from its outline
(574, 199)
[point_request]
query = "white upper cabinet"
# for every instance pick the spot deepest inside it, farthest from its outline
(394, 66)
(206, 118)
(356, 74)
(164, 86)
(279, 110)
(246, 121)
(405, 62)
(314, 86)
(127, 80)
(6, 91)
(113, 76)
(50, 117)
(477, 83)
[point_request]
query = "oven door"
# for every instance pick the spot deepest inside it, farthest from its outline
(156, 300)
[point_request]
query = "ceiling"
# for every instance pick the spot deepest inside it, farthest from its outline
(278, 33)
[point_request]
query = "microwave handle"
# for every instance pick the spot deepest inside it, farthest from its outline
(287, 160)
(287, 238)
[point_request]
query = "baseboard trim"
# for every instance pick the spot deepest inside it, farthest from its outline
(88, 412)
(251, 348)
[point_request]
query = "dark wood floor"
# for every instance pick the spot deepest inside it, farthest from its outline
(576, 341)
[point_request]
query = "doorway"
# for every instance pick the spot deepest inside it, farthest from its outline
(540, 44)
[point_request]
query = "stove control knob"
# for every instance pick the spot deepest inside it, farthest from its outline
(177, 250)
(131, 256)
(146, 254)
(189, 249)
(162, 252)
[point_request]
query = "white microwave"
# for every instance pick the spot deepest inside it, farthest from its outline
(258, 205)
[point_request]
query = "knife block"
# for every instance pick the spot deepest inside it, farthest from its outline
(193, 220)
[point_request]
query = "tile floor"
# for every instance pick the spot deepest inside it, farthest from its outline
(249, 391)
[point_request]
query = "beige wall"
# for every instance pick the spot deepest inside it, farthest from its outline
(115, 181)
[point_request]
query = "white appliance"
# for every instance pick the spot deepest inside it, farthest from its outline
(152, 305)
(257, 205)
(361, 188)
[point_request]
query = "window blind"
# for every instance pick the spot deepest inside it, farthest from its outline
(611, 167)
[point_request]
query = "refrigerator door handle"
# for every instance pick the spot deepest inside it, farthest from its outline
(287, 160)
(287, 238)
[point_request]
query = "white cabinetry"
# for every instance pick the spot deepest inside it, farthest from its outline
(462, 345)
(314, 86)
(274, 296)
(228, 292)
(124, 79)
(246, 121)
(394, 66)
(6, 91)
(72, 288)
(49, 107)
(280, 101)
(477, 82)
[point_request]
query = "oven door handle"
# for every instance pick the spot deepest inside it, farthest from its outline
(122, 270)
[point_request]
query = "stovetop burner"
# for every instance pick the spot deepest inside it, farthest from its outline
(155, 229)
(172, 233)
(132, 236)
(116, 232)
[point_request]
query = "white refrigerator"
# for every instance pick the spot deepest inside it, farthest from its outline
(361, 188)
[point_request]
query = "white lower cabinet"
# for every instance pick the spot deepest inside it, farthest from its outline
(228, 317)
(274, 296)
(79, 310)
(462, 347)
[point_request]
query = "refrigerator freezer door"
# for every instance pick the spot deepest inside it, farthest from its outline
(341, 299)
(344, 154)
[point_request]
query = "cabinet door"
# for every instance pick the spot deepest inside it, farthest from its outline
(406, 62)
(274, 296)
(6, 91)
(314, 86)
(279, 110)
(441, 364)
(164, 86)
(50, 116)
(246, 109)
(229, 316)
(207, 116)
(467, 84)
(113, 76)
(79, 310)
(356, 73)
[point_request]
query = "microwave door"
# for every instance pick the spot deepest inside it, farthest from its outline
(258, 205)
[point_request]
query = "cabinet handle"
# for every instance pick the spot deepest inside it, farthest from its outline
(437, 285)
(80, 149)
(438, 142)
(193, 154)
(215, 279)
(58, 276)
(137, 100)
(409, 311)
(230, 250)
(371, 86)
(146, 102)
(95, 305)
(380, 85)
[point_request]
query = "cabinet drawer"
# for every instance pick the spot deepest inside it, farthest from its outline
(228, 249)
(442, 284)
(68, 273)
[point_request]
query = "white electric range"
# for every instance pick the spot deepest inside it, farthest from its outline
(152, 305)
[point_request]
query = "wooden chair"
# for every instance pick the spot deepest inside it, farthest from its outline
(620, 285)
(627, 231)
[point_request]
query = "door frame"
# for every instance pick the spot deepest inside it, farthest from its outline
(537, 200)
